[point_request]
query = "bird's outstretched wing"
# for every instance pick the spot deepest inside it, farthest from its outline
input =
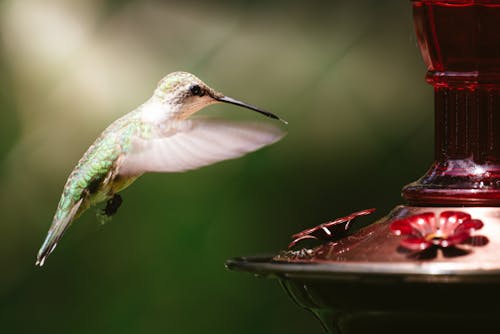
(194, 143)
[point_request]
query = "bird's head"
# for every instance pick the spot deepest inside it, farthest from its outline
(185, 94)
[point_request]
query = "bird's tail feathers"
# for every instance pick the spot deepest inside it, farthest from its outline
(56, 231)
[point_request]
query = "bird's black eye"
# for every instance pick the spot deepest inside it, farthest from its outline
(196, 90)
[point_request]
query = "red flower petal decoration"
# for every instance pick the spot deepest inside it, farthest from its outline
(417, 244)
(424, 230)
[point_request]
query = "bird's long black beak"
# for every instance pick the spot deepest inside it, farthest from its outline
(230, 100)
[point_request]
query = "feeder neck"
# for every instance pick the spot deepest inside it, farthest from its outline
(460, 44)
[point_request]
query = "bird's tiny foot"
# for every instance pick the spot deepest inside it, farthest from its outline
(112, 205)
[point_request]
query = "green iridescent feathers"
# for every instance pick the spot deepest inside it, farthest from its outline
(90, 181)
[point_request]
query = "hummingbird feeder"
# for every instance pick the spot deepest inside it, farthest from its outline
(431, 265)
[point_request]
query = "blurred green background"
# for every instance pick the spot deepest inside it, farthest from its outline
(348, 77)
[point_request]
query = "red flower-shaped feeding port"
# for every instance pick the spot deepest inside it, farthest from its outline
(450, 229)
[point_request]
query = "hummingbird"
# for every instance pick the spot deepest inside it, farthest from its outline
(158, 136)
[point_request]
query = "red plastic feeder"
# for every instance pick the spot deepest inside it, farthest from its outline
(432, 265)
